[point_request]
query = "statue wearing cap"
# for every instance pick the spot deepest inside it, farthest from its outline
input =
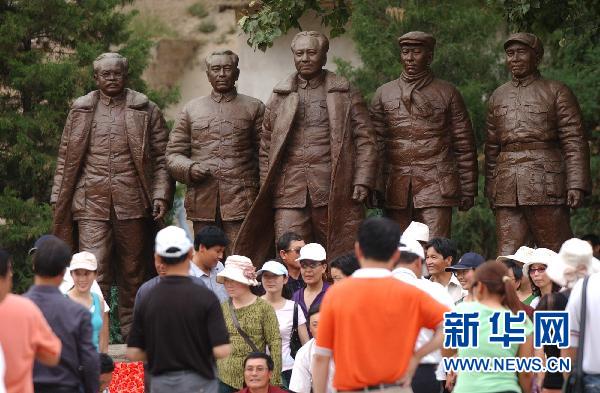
(536, 152)
(427, 155)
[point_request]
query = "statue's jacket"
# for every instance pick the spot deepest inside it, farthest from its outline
(353, 162)
(428, 148)
(221, 134)
(536, 148)
(147, 136)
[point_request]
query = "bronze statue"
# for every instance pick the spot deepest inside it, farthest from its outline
(317, 158)
(214, 149)
(111, 180)
(427, 155)
(536, 153)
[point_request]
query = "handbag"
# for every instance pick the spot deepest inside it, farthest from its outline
(241, 331)
(574, 382)
(295, 343)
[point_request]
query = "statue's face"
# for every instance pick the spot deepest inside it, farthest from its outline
(110, 77)
(222, 73)
(521, 60)
(308, 57)
(415, 58)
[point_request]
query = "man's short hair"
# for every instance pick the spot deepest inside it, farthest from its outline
(320, 37)
(285, 241)
(260, 355)
(444, 246)
(378, 238)
(51, 257)
(314, 308)
(234, 57)
(5, 262)
(592, 238)
(407, 257)
(515, 267)
(111, 55)
(106, 364)
(346, 263)
(210, 236)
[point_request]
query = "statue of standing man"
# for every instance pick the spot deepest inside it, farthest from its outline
(317, 158)
(214, 149)
(427, 155)
(536, 153)
(111, 180)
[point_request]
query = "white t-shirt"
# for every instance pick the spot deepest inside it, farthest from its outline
(591, 346)
(285, 317)
(301, 380)
(2, 369)
(438, 293)
(67, 284)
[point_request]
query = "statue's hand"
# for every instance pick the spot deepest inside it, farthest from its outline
(159, 209)
(360, 193)
(466, 203)
(574, 198)
(197, 173)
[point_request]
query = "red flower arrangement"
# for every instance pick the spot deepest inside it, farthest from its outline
(127, 378)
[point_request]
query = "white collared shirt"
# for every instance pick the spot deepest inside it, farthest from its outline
(301, 379)
(372, 272)
(438, 293)
(211, 280)
(455, 289)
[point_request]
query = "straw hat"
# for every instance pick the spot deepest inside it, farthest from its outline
(539, 255)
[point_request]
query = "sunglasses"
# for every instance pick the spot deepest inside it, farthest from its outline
(310, 265)
(538, 270)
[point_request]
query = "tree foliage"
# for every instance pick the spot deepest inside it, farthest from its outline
(269, 19)
(46, 52)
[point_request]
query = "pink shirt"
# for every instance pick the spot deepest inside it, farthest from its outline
(24, 336)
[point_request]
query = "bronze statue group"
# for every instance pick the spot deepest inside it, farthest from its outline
(312, 158)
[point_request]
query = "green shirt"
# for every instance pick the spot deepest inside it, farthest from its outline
(488, 382)
(259, 321)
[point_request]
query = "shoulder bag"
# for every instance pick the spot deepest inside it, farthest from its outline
(574, 382)
(242, 333)
(295, 343)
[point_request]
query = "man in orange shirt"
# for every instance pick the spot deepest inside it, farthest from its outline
(360, 318)
(24, 334)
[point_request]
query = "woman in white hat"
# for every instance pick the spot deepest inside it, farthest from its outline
(83, 270)
(274, 276)
(535, 269)
(257, 327)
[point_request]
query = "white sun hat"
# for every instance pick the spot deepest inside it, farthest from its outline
(522, 256)
(540, 255)
(238, 268)
(574, 260)
(417, 231)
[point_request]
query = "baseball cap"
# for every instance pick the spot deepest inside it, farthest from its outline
(470, 260)
(39, 242)
(272, 267)
(413, 246)
(312, 251)
(174, 239)
(84, 260)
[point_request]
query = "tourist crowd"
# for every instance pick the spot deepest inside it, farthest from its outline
(371, 320)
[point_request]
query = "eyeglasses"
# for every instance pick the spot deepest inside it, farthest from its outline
(296, 250)
(310, 265)
(538, 270)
